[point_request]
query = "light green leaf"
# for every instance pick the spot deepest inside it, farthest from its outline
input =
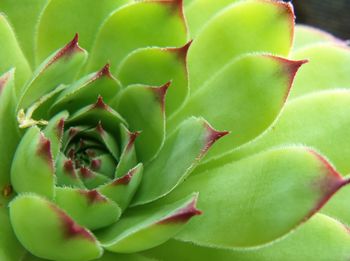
(60, 68)
(143, 108)
(155, 66)
(249, 26)
(320, 239)
(182, 151)
(11, 55)
(73, 17)
(25, 26)
(157, 23)
(88, 208)
(48, 232)
(278, 189)
(245, 97)
(328, 68)
(8, 132)
(92, 179)
(146, 227)
(66, 174)
(33, 168)
(122, 189)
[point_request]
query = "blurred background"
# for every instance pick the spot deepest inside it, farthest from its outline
(330, 15)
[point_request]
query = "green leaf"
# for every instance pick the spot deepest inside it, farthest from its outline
(155, 66)
(92, 179)
(48, 232)
(180, 154)
(199, 12)
(143, 108)
(245, 97)
(250, 26)
(33, 168)
(60, 68)
(54, 132)
(321, 238)
(8, 132)
(149, 226)
(128, 157)
(96, 113)
(73, 17)
(307, 35)
(88, 208)
(157, 23)
(310, 120)
(11, 55)
(278, 189)
(66, 174)
(86, 90)
(328, 68)
(122, 189)
(10, 248)
(25, 26)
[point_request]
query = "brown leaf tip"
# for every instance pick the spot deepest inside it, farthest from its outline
(125, 180)
(105, 71)
(70, 227)
(99, 128)
(67, 50)
(177, 6)
(44, 150)
(86, 173)
(181, 51)
(212, 136)
(100, 104)
(60, 128)
(93, 196)
(69, 169)
(183, 214)
(160, 93)
(132, 139)
(95, 164)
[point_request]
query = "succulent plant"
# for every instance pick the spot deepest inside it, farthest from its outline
(117, 148)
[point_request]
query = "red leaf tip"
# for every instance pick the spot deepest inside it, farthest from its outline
(68, 167)
(44, 150)
(125, 180)
(86, 173)
(183, 214)
(181, 51)
(160, 93)
(105, 71)
(212, 136)
(93, 196)
(132, 139)
(95, 164)
(100, 104)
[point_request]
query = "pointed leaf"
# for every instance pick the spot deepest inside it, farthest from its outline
(148, 227)
(278, 189)
(92, 179)
(88, 208)
(157, 23)
(11, 55)
(155, 66)
(33, 168)
(143, 108)
(180, 154)
(73, 17)
(66, 175)
(60, 68)
(271, 30)
(48, 232)
(86, 90)
(321, 238)
(329, 68)
(121, 190)
(8, 132)
(245, 97)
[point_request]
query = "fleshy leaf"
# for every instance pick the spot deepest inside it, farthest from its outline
(128, 157)
(329, 68)
(72, 16)
(146, 227)
(92, 179)
(86, 90)
(321, 238)
(8, 132)
(66, 174)
(121, 190)
(180, 154)
(307, 35)
(155, 66)
(236, 32)
(199, 12)
(93, 114)
(33, 168)
(54, 132)
(310, 120)
(24, 25)
(60, 68)
(48, 232)
(245, 97)
(143, 108)
(88, 208)
(157, 23)
(287, 185)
